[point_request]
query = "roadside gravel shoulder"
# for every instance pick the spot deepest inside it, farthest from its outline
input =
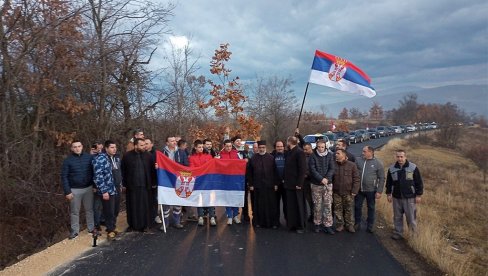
(41, 263)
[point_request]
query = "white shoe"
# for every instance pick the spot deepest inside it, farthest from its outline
(229, 221)
(237, 220)
(158, 220)
(200, 221)
(212, 221)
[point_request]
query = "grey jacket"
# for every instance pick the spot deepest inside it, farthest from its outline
(372, 174)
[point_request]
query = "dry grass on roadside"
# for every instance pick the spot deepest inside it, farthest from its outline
(452, 218)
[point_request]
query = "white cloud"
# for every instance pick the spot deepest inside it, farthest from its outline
(179, 42)
(414, 42)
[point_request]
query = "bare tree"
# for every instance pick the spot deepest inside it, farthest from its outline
(273, 103)
(183, 89)
(124, 35)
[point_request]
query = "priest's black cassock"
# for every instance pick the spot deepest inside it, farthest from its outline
(139, 175)
(263, 177)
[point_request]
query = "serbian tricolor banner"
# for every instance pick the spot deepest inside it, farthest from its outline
(216, 183)
(338, 73)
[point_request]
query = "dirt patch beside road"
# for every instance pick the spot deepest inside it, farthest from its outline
(413, 262)
(58, 254)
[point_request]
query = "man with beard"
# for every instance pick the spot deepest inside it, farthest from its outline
(139, 176)
(137, 133)
(346, 186)
(279, 157)
(263, 181)
(293, 178)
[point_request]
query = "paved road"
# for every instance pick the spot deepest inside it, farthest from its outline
(238, 250)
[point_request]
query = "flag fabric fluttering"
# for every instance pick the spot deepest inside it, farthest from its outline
(216, 183)
(339, 73)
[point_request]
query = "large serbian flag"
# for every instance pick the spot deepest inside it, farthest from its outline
(338, 73)
(216, 183)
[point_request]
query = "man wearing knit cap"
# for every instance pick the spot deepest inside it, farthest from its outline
(263, 181)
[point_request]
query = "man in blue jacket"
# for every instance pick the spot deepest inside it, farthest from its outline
(404, 187)
(107, 178)
(77, 176)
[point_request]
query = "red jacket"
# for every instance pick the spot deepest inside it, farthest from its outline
(233, 154)
(198, 159)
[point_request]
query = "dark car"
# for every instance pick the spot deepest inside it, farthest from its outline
(391, 131)
(373, 133)
(333, 137)
(354, 137)
(342, 135)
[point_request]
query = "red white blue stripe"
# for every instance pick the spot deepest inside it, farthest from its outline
(216, 183)
(336, 72)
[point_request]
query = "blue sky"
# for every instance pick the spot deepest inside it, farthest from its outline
(397, 43)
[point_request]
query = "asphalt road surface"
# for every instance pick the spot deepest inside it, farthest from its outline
(238, 250)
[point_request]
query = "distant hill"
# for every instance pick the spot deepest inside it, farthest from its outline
(470, 98)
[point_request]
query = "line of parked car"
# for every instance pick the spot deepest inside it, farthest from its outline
(361, 135)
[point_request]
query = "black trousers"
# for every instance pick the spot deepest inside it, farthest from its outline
(109, 212)
(295, 209)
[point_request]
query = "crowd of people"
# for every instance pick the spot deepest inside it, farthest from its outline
(323, 187)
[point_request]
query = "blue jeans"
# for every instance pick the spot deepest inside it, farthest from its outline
(232, 211)
(209, 210)
(358, 207)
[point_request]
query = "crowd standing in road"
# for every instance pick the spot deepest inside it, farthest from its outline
(324, 186)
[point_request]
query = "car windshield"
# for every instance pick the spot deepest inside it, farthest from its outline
(331, 136)
(352, 133)
(312, 139)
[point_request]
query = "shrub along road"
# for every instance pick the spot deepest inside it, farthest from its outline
(239, 250)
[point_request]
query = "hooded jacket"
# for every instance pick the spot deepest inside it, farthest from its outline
(321, 167)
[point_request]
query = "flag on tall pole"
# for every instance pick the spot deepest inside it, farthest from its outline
(339, 73)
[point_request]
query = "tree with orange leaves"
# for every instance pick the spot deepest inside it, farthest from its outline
(226, 99)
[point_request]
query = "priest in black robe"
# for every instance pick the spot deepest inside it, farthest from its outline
(263, 182)
(139, 175)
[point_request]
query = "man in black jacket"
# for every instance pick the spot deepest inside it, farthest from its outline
(404, 187)
(77, 179)
(293, 178)
(321, 166)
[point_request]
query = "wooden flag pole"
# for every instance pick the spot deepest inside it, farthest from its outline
(303, 102)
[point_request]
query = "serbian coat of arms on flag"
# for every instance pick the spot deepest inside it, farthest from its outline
(216, 183)
(336, 72)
